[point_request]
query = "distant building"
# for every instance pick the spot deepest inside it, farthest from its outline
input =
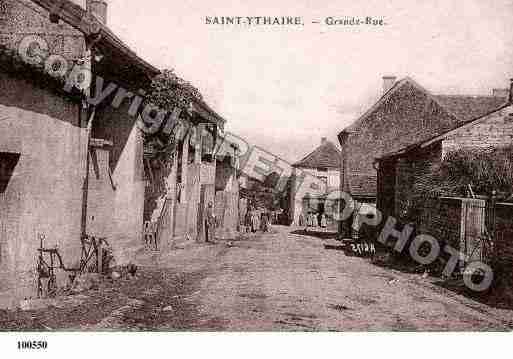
(323, 164)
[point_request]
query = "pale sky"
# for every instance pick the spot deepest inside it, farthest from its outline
(283, 88)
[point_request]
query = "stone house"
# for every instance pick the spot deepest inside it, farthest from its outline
(70, 168)
(322, 164)
(405, 114)
(72, 162)
(401, 173)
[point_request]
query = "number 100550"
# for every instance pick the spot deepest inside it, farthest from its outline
(32, 345)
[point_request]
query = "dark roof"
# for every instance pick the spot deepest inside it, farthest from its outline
(467, 108)
(354, 126)
(464, 108)
(327, 155)
(442, 136)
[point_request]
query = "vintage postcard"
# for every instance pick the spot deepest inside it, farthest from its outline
(255, 166)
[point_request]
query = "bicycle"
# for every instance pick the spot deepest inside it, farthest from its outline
(46, 269)
(50, 259)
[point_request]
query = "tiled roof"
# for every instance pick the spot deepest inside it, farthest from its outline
(467, 108)
(326, 155)
(443, 135)
(464, 108)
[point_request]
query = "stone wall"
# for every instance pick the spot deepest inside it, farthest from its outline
(45, 192)
(43, 196)
(20, 18)
(496, 130)
(127, 168)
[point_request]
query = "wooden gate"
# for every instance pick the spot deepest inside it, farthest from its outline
(473, 230)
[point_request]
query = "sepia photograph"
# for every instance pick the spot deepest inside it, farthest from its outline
(254, 167)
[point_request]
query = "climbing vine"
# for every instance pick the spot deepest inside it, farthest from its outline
(168, 92)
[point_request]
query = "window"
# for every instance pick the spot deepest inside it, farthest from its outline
(8, 162)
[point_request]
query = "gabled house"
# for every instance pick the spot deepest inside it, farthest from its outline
(79, 161)
(405, 114)
(404, 174)
(323, 164)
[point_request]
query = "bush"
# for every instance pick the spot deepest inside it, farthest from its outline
(486, 170)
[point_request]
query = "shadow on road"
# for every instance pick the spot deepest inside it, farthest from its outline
(316, 234)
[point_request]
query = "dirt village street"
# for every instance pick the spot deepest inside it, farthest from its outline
(280, 281)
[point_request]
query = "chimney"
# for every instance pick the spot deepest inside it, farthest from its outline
(324, 140)
(388, 83)
(500, 93)
(99, 9)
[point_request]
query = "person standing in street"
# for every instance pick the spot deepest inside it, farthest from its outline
(255, 223)
(324, 222)
(247, 221)
(210, 223)
(301, 221)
